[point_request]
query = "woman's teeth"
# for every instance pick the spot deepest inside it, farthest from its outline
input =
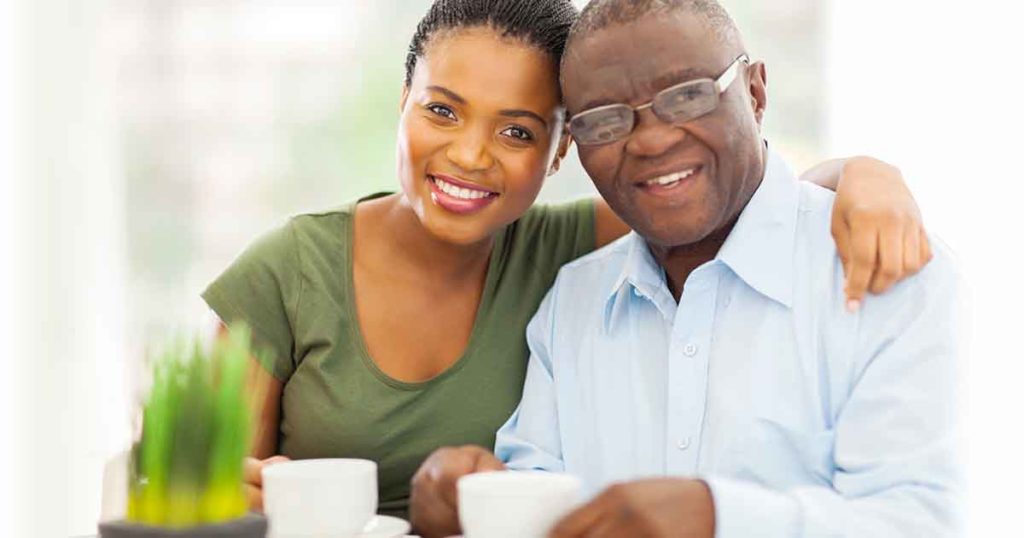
(460, 192)
(670, 179)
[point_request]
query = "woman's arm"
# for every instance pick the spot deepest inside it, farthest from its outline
(876, 224)
(264, 392)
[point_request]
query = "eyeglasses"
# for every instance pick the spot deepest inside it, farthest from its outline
(676, 105)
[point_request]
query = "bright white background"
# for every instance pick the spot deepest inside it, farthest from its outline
(932, 86)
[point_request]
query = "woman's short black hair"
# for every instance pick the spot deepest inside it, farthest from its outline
(544, 24)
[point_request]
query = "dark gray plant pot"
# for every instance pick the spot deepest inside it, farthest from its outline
(250, 526)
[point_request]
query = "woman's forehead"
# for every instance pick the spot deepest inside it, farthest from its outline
(481, 65)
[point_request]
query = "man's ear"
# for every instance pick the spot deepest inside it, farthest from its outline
(758, 86)
(405, 97)
(563, 149)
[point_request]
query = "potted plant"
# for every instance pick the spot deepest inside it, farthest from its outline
(185, 471)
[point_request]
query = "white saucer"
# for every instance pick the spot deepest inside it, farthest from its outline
(385, 527)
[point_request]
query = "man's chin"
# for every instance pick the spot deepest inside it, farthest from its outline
(672, 236)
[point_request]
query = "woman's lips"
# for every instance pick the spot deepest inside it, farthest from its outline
(459, 197)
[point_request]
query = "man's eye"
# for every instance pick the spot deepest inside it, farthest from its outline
(442, 111)
(518, 133)
(692, 93)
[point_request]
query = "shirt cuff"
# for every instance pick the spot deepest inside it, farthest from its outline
(746, 509)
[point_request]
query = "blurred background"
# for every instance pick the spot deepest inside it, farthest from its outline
(145, 142)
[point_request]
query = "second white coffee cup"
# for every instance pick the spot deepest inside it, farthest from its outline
(323, 497)
(511, 504)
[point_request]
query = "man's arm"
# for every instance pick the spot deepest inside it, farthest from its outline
(524, 441)
(530, 440)
(897, 471)
(896, 466)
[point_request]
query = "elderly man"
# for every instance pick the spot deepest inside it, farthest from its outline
(711, 348)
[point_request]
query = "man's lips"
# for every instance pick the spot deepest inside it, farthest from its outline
(671, 184)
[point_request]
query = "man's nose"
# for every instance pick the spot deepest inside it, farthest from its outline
(652, 137)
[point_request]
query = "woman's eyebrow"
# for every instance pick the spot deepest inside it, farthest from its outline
(448, 93)
(510, 113)
(523, 114)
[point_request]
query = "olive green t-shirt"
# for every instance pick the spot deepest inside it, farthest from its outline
(293, 286)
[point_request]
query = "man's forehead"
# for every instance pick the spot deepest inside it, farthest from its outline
(641, 56)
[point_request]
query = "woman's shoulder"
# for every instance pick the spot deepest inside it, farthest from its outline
(326, 232)
(551, 235)
(557, 221)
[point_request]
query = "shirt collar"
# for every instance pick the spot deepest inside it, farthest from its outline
(759, 249)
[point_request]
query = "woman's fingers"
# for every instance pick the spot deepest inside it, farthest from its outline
(841, 235)
(863, 258)
(252, 474)
(912, 252)
(890, 257)
(254, 496)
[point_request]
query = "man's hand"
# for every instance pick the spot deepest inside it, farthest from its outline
(433, 506)
(660, 507)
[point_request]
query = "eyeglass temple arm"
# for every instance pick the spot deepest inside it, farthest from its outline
(726, 79)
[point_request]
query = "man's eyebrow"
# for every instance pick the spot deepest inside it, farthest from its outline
(679, 77)
(448, 93)
(523, 114)
(662, 82)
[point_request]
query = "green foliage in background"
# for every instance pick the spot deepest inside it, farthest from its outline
(187, 466)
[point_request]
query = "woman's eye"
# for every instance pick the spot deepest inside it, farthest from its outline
(442, 111)
(518, 133)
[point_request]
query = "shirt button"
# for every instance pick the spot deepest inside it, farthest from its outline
(637, 292)
(683, 444)
(690, 350)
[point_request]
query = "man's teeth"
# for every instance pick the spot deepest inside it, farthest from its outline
(669, 179)
(459, 192)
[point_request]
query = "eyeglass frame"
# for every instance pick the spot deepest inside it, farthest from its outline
(722, 83)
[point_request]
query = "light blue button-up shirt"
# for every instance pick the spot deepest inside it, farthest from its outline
(804, 419)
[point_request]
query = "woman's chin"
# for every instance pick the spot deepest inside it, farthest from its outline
(459, 233)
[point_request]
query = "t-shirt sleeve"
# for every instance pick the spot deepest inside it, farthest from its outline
(262, 288)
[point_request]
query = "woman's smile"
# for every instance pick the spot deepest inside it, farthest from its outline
(459, 196)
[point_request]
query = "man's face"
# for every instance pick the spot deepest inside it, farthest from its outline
(717, 156)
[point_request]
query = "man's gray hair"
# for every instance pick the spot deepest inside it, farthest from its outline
(600, 14)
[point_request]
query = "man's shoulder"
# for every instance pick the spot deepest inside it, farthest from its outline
(584, 278)
(815, 241)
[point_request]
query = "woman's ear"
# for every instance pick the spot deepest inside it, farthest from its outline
(563, 149)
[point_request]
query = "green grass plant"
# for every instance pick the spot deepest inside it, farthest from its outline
(186, 469)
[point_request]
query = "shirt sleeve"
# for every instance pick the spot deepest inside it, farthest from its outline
(895, 453)
(261, 288)
(530, 440)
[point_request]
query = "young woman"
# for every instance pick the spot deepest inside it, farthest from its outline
(395, 324)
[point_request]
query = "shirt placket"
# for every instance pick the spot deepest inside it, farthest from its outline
(689, 349)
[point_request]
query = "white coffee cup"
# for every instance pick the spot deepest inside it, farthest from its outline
(325, 497)
(513, 504)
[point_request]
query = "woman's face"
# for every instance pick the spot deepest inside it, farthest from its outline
(480, 126)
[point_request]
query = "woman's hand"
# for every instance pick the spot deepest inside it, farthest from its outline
(877, 228)
(253, 476)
